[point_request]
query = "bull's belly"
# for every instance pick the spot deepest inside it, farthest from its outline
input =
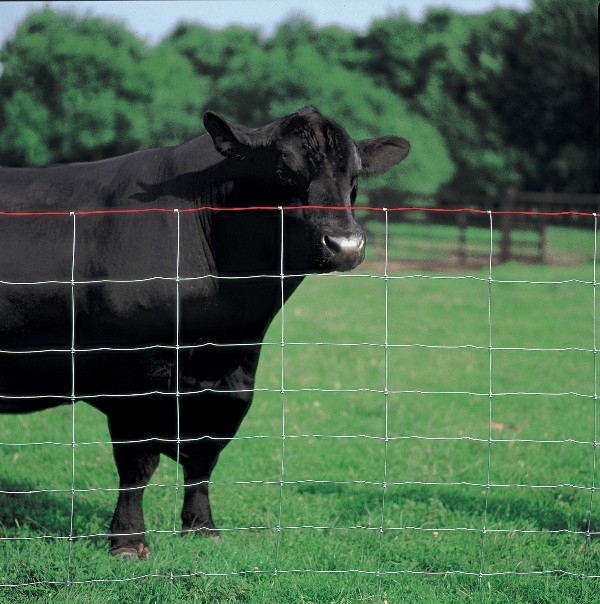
(34, 381)
(37, 380)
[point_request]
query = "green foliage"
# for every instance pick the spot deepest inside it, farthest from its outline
(549, 97)
(441, 66)
(393, 51)
(480, 110)
(334, 44)
(210, 51)
(80, 82)
(511, 113)
(85, 88)
(174, 114)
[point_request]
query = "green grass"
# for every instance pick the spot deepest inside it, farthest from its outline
(335, 452)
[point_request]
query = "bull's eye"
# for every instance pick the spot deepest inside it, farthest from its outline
(285, 177)
(288, 178)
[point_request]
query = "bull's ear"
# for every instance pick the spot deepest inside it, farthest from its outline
(229, 139)
(380, 154)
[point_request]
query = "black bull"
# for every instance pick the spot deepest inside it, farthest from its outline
(98, 306)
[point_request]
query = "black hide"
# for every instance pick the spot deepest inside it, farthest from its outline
(125, 311)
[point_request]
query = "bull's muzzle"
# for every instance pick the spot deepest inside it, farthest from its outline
(345, 252)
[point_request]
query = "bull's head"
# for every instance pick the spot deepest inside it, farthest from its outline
(306, 159)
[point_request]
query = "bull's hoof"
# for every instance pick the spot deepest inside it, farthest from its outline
(138, 551)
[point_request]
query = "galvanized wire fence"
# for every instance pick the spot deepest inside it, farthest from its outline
(381, 279)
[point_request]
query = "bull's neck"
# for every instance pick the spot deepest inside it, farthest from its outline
(244, 244)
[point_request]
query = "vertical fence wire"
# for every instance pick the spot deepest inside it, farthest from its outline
(282, 468)
(589, 526)
(177, 401)
(72, 514)
(386, 401)
(491, 398)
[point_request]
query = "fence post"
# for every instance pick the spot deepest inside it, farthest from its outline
(543, 244)
(461, 220)
(507, 204)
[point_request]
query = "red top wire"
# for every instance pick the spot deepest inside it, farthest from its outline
(250, 208)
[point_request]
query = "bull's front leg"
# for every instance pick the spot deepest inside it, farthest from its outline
(208, 422)
(136, 463)
(196, 514)
(220, 416)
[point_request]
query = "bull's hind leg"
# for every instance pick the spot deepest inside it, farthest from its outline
(136, 463)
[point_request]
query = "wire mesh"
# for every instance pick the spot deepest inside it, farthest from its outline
(386, 479)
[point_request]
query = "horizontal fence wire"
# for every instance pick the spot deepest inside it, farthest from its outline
(383, 481)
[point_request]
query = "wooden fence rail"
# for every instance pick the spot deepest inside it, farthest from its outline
(512, 200)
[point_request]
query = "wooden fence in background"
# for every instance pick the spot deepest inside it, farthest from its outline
(512, 200)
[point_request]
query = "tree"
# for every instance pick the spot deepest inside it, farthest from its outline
(179, 96)
(333, 43)
(515, 95)
(549, 96)
(391, 51)
(85, 88)
(443, 67)
(211, 51)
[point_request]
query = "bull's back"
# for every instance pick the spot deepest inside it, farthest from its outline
(80, 186)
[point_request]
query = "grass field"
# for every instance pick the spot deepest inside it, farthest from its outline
(532, 442)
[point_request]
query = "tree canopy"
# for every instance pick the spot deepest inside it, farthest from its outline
(85, 88)
(480, 110)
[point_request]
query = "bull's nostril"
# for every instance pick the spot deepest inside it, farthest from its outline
(343, 245)
(331, 244)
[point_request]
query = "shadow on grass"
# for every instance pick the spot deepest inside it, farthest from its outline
(35, 514)
(25, 512)
(431, 506)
